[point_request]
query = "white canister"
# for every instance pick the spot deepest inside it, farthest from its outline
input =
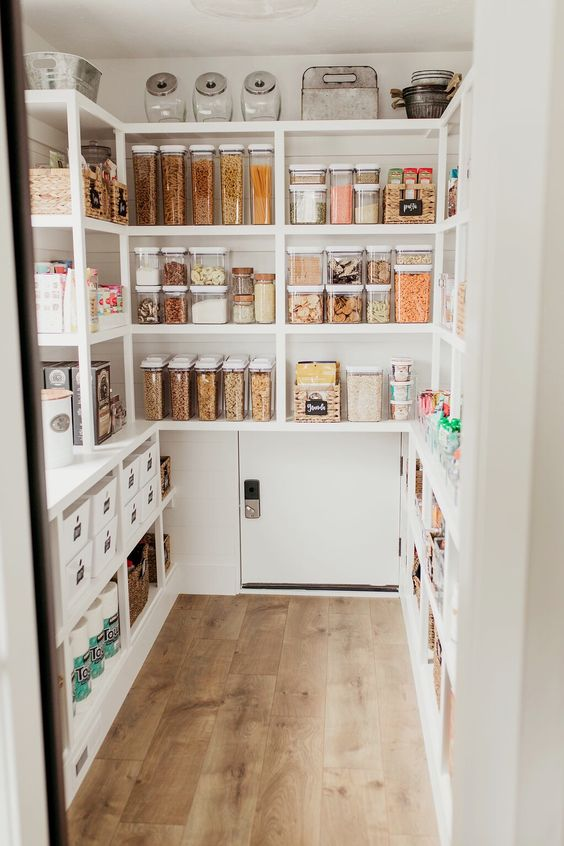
(57, 427)
(110, 612)
(95, 619)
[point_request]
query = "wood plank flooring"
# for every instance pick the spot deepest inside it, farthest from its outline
(265, 721)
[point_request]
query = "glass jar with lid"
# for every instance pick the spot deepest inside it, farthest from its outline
(364, 393)
(379, 265)
(175, 304)
(305, 265)
(208, 265)
(265, 298)
(366, 202)
(174, 266)
(148, 304)
(366, 173)
(173, 178)
(147, 270)
(154, 369)
(260, 96)
(145, 180)
(260, 178)
(201, 156)
(446, 283)
(231, 172)
(96, 154)
(243, 308)
(235, 371)
(208, 386)
(307, 174)
(209, 303)
(163, 103)
(262, 388)
(242, 281)
(181, 372)
(308, 204)
(305, 303)
(414, 254)
(212, 99)
(341, 201)
(412, 284)
(344, 303)
(344, 265)
(378, 303)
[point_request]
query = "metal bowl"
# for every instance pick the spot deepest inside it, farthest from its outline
(60, 71)
(431, 77)
(425, 101)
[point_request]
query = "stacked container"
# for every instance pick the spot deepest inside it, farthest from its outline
(412, 283)
(231, 169)
(209, 289)
(201, 158)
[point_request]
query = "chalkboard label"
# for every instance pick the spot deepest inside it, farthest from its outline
(122, 204)
(316, 408)
(411, 208)
(95, 199)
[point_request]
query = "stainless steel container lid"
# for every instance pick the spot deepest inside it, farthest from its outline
(210, 84)
(259, 82)
(161, 84)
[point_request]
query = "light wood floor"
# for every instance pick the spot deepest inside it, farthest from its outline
(265, 721)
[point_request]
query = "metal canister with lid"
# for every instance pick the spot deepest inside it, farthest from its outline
(163, 103)
(211, 98)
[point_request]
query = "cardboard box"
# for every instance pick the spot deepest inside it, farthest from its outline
(101, 398)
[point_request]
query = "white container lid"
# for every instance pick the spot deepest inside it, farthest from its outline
(402, 362)
(378, 288)
(413, 268)
(182, 362)
(365, 368)
(208, 290)
(260, 148)
(236, 362)
(231, 148)
(401, 402)
(367, 166)
(152, 251)
(201, 148)
(148, 289)
(305, 289)
(209, 362)
(344, 289)
(344, 249)
(377, 248)
(308, 168)
(307, 187)
(173, 251)
(340, 166)
(400, 385)
(173, 148)
(262, 363)
(208, 251)
(144, 148)
(414, 248)
(367, 186)
(155, 362)
(296, 251)
(175, 289)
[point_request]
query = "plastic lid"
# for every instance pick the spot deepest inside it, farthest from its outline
(400, 385)
(379, 248)
(296, 251)
(307, 168)
(48, 394)
(344, 166)
(413, 268)
(236, 362)
(209, 362)
(263, 363)
(208, 251)
(155, 362)
(378, 288)
(173, 148)
(210, 83)
(344, 249)
(305, 289)
(231, 148)
(181, 362)
(175, 289)
(201, 148)
(307, 187)
(152, 251)
(242, 271)
(367, 186)
(365, 368)
(144, 148)
(148, 289)
(344, 289)
(260, 148)
(414, 248)
(402, 361)
(208, 289)
(366, 166)
(172, 251)
(265, 277)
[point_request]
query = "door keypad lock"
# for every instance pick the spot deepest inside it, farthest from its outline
(252, 499)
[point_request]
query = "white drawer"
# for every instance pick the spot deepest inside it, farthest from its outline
(148, 464)
(105, 544)
(130, 478)
(149, 496)
(78, 573)
(102, 503)
(132, 515)
(75, 529)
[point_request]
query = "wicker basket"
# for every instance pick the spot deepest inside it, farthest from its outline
(150, 541)
(311, 406)
(418, 480)
(437, 664)
(431, 631)
(96, 194)
(138, 584)
(167, 556)
(50, 190)
(165, 475)
(460, 309)
(119, 204)
(417, 588)
(393, 196)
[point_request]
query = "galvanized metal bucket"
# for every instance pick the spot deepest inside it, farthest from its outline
(59, 71)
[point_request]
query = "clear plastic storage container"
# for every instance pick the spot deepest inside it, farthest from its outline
(447, 304)
(366, 172)
(174, 266)
(154, 369)
(341, 202)
(344, 265)
(265, 297)
(400, 410)
(202, 173)
(208, 386)
(344, 303)
(364, 394)
(412, 293)
(307, 174)
(401, 369)
(366, 202)
(379, 265)
(235, 370)
(261, 157)
(260, 96)
(145, 179)
(410, 254)
(305, 265)
(305, 303)
(208, 265)
(147, 271)
(163, 103)
(231, 170)
(261, 372)
(308, 204)
(181, 374)
(175, 304)
(401, 391)
(149, 304)
(242, 281)
(173, 179)
(243, 308)
(378, 303)
(211, 98)
(209, 304)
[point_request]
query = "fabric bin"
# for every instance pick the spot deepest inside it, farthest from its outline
(148, 463)
(105, 544)
(148, 499)
(130, 478)
(76, 521)
(78, 573)
(132, 515)
(102, 503)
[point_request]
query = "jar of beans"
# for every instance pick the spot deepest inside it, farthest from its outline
(174, 266)
(378, 303)
(181, 370)
(366, 202)
(175, 304)
(148, 304)
(307, 174)
(154, 389)
(145, 179)
(413, 293)
(341, 197)
(173, 173)
(231, 170)
(201, 156)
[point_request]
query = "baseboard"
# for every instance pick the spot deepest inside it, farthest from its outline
(193, 578)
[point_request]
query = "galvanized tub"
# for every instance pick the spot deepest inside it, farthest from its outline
(340, 93)
(57, 71)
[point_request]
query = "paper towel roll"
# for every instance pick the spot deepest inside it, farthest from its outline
(80, 653)
(95, 619)
(110, 612)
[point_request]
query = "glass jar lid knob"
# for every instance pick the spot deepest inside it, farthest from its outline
(259, 82)
(211, 83)
(161, 84)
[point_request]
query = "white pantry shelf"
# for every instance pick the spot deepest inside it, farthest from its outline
(361, 230)
(437, 480)
(359, 329)
(71, 339)
(161, 329)
(201, 231)
(67, 221)
(88, 595)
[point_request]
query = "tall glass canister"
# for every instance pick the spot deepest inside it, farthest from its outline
(201, 156)
(145, 179)
(231, 169)
(173, 175)
(260, 177)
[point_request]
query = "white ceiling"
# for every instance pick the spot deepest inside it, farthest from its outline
(148, 28)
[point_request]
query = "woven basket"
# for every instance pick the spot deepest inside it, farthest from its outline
(50, 190)
(149, 540)
(417, 588)
(96, 194)
(119, 204)
(138, 584)
(167, 556)
(394, 194)
(431, 631)
(328, 399)
(165, 475)
(437, 663)
(460, 309)
(418, 480)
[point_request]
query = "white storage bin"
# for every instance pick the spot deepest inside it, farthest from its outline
(149, 496)
(102, 503)
(148, 463)
(132, 515)
(105, 545)
(130, 478)
(75, 529)
(78, 573)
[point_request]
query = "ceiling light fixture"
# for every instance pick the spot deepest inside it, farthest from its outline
(255, 9)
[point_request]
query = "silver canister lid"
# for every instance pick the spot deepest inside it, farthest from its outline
(259, 82)
(210, 84)
(161, 84)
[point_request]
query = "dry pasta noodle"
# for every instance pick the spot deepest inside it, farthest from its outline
(261, 183)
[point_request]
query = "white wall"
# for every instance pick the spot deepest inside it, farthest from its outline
(33, 41)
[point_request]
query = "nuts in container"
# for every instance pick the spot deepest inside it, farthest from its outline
(149, 304)
(344, 265)
(174, 267)
(154, 386)
(208, 386)
(364, 394)
(235, 387)
(181, 370)
(208, 265)
(262, 388)
(305, 304)
(344, 303)
(175, 304)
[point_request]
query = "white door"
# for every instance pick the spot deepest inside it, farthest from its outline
(330, 506)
